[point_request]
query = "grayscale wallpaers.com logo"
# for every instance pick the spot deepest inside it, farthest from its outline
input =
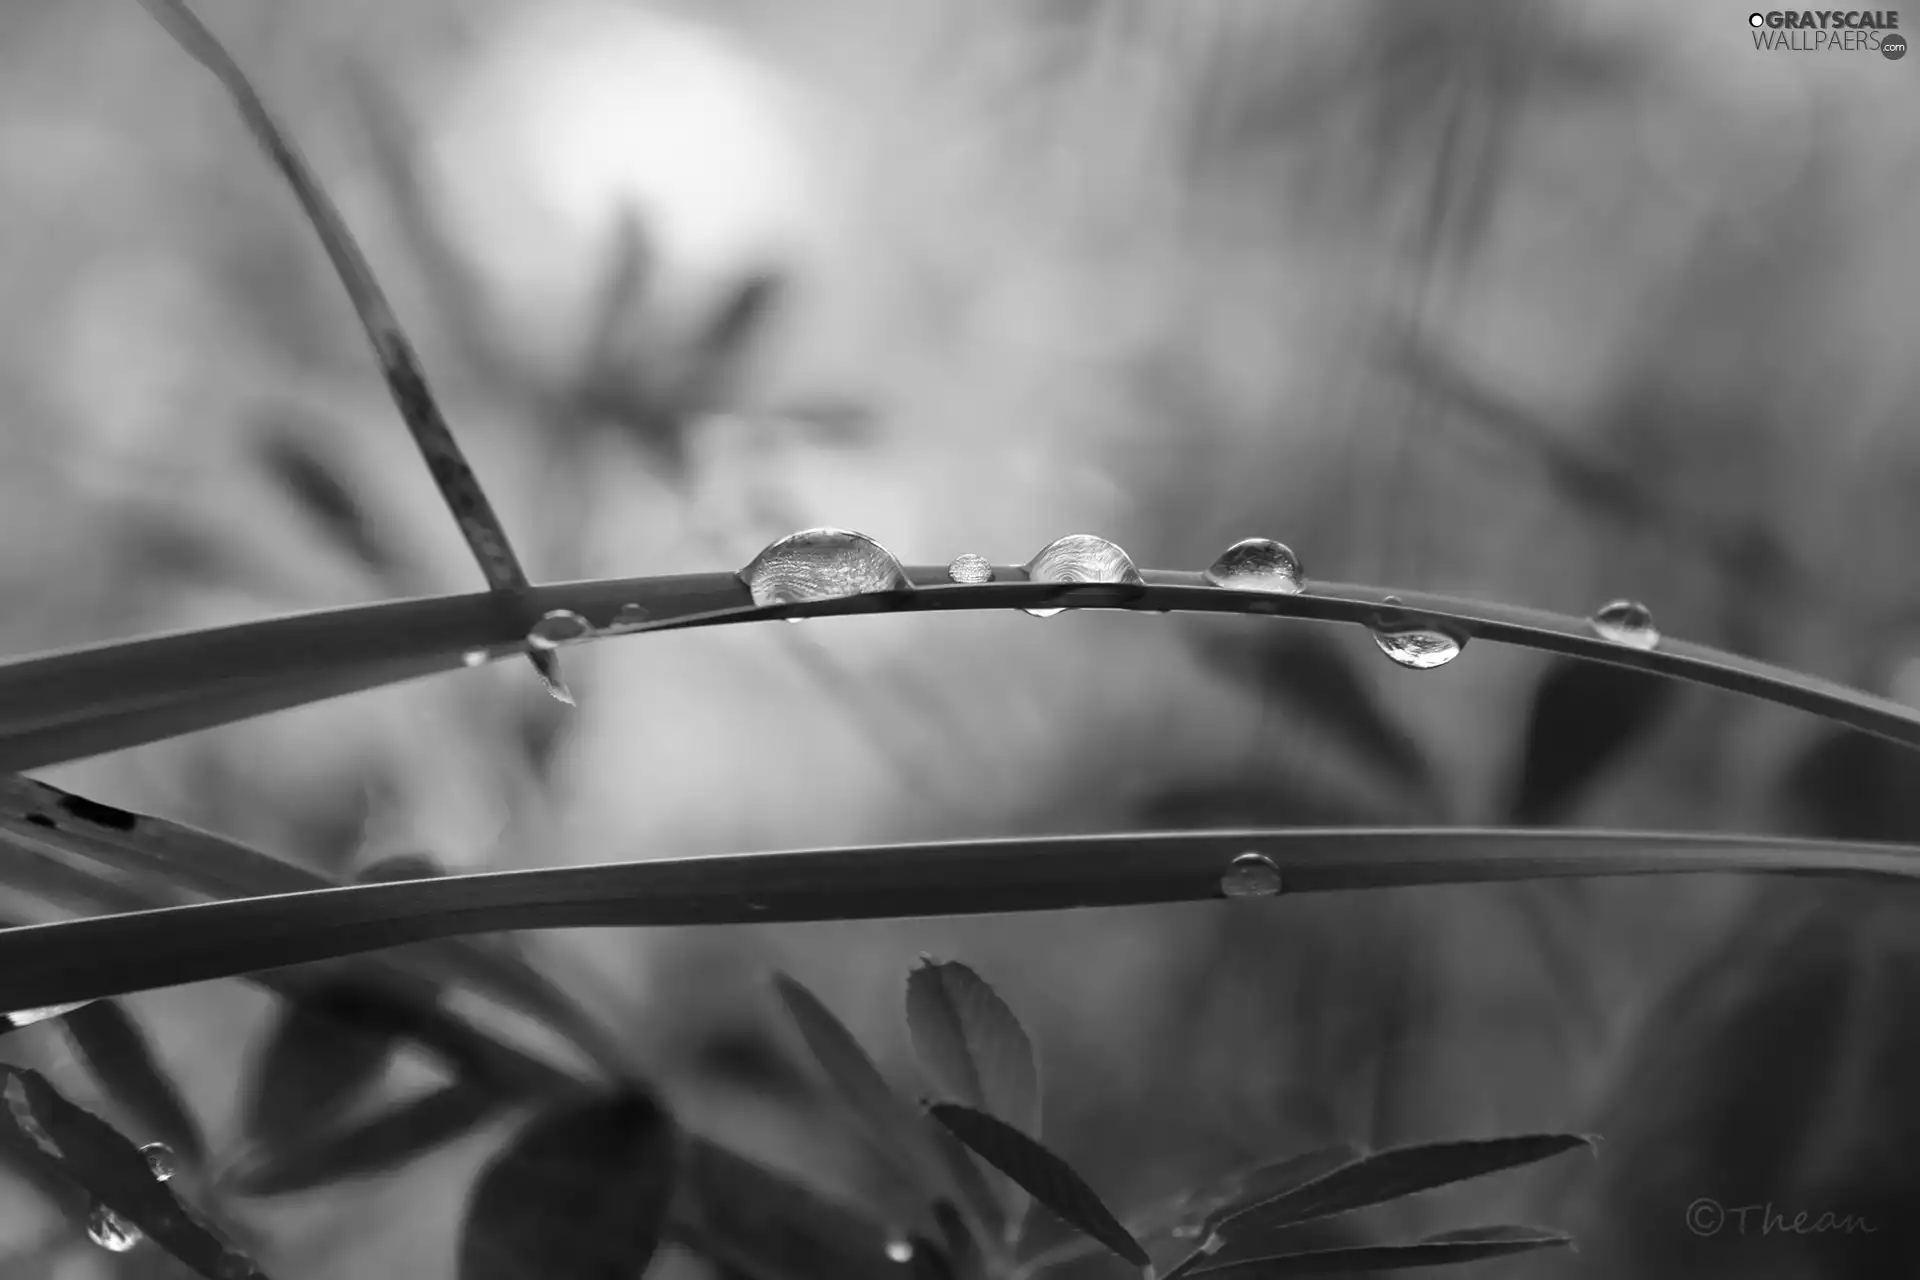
(1822, 31)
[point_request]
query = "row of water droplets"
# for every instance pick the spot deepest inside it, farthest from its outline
(111, 1231)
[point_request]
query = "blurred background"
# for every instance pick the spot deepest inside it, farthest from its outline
(1548, 303)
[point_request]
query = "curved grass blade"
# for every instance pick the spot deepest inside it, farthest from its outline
(93, 1154)
(1449, 1249)
(581, 1193)
(373, 1146)
(1045, 1176)
(120, 1057)
(107, 697)
(71, 960)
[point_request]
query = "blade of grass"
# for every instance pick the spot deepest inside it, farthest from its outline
(399, 365)
(52, 707)
(71, 960)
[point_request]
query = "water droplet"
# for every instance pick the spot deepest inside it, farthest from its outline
(822, 564)
(1625, 622)
(160, 1161)
(1251, 875)
(899, 1249)
(1257, 564)
(1186, 1230)
(1417, 647)
(1080, 557)
(27, 1017)
(632, 615)
(474, 658)
(111, 1231)
(562, 626)
(970, 568)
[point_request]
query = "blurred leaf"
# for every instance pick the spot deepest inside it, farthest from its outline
(400, 866)
(289, 456)
(714, 358)
(1585, 716)
(971, 1044)
(1450, 1248)
(328, 1048)
(357, 1150)
(1847, 786)
(1389, 1175)
(580, 1193)
(116, 1050)
(93, 1154)
(1044, 1175)
(997, 1220)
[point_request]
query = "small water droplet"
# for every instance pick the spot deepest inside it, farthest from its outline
(1257, 564)
(1251, 875)
(899, 1249)
(474, 658)
(970, 568)
(160, 1161)
(561, 626)
(111, 1231)
(1080, 557)
(1625, 622)
(1419, 648)
(822, 564)
(632, 615)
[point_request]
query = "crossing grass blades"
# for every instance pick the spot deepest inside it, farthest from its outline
(595, 1175)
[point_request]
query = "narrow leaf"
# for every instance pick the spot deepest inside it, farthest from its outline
(1389, 1175)
(323, 1054)
(118, 1053)
(1476, 1244)
(1044, 1175)
(580, 1193)
(373, 1146)
(972, 1045)
(1263, 1184)
(1585, 717)
(93, 1154)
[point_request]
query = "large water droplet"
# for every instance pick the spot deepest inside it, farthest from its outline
(1413, 646)
(1080, 557)
(1257, 564)
(899, 1249)
(1251, 875)
(822, 564)
(971, 569)
(561, 626)
(111, 1231)
(1625, 622)
(160, 1161)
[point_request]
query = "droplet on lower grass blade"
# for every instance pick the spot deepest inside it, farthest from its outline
(1257, 564)
(27, 1017)
(970, 569)
(561, 626)
(1416, 647)
(822, 564)
(1626, 622)
(1080, 557)
(160, 1161)
(111, 1231)
(1250, 875)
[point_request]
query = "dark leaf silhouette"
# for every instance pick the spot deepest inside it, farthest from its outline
(328, 1048)
(1451, 1248)
(116, 1050)
(972, 1045)
(114, 1172)
(580, 1193)
(1847, 786)
(1585, 716)
(372, 1146)
(1044, 1176)
(289, 456)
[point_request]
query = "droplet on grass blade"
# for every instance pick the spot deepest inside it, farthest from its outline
(1250, 875)
(474, 658)
(1626, 622)
(561, 626)
(111, 1231)
(1257, 564)
(160, 1161)
(1416, 647)
(899, 1249)
(1079, 557)
(970, 569)
(822, 564)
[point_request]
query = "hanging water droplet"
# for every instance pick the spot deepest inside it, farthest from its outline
(971, 569)
(1417, 647)
(899, 1249)
(1251, 875)
(160, 1161)
(822, 564)
(561, 626)
(111, 1231)
(1257, 564)
(1080, 557)
(1626, 622)
(474, 658)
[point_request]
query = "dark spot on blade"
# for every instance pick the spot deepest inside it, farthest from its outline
(100, 815)
(42, 820)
